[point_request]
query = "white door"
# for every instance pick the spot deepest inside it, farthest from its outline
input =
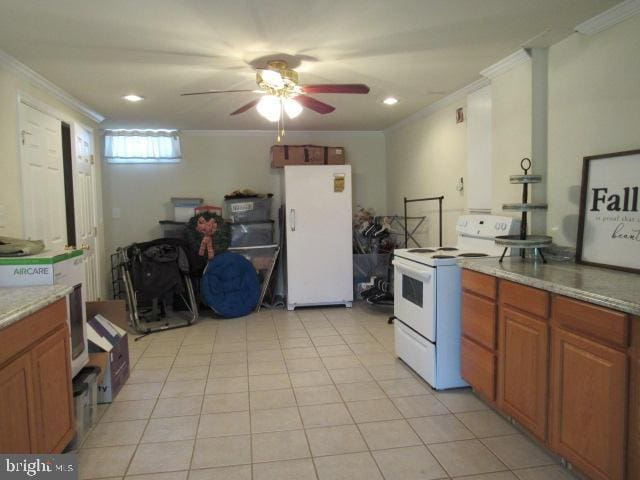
(319, 238)
(85, 208)
(42, 178)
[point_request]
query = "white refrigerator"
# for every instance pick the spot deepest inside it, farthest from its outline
(318, 235)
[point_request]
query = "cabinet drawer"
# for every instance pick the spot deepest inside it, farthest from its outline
(592, 320)
(527, 299)
(479, 283)
(478, 367)
(479, 320)
(26, 332)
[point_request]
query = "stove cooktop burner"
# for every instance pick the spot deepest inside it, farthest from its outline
(471, 254)
(447, 249)
(420, 250)
(443, 256)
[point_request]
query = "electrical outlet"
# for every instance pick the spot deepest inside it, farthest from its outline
(115, 213)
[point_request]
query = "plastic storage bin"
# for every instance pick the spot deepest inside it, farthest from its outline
(249, 209)
(370, 265)
(82, 412)
(251, 234)
(89, 376)
(184, 208)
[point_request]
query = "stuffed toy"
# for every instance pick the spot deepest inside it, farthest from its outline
(207, 228)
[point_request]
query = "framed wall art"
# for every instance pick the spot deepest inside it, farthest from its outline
(609, 223)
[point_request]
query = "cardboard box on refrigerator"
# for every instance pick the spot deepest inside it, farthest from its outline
(282, 155)
(109, 350)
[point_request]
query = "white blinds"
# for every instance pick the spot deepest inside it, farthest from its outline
(142, 146)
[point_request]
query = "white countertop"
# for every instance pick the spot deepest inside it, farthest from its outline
(19, 302)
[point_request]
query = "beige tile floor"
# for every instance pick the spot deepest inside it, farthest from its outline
(311, 394)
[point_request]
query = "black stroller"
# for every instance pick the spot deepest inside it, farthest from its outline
(157, 280)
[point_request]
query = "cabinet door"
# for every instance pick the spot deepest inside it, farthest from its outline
(52, 389)
(523, 369)
(589, 400)
(478, 367)
(16, 407)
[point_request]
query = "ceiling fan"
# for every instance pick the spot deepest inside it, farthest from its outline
(278, 83)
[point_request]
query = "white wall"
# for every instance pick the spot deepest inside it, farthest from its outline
(425, 158)
(594, 108)
(216, 163)
(511, 133)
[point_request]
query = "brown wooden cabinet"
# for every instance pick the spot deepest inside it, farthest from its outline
(523, 369)
(17, 418)
(52, 395)
(589, 404)
(566, 370)
(478, 361)
(36, 403)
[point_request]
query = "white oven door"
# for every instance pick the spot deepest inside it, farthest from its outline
(414, 294)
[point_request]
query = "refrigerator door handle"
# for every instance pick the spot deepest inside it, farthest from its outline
(292, 219)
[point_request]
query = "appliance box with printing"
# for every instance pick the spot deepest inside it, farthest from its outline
(45, 268)
(109, 347)
(282, 155)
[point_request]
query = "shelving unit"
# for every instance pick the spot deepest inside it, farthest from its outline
(523, 241)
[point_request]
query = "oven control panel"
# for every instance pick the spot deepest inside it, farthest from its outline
(487, 226)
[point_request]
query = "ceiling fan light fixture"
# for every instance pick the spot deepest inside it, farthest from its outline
(272, 78)
(390, 101)
(269, 107)
(292, 108)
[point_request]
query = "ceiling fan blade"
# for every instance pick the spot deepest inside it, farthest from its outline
(336, 88)
(213, 91)
(246, 107)
(315, 105)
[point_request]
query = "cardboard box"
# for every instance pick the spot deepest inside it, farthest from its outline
(109, 347)
(113, 310)
(44, 268)
(282, 155)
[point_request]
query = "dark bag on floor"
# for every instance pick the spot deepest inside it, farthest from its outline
(156, 272)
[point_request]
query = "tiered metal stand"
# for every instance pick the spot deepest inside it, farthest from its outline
(523, 241)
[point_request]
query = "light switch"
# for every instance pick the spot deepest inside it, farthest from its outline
(115, 213)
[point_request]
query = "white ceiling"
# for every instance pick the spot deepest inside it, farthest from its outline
(416, 50)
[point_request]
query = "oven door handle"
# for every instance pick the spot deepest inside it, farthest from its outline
(421, 274)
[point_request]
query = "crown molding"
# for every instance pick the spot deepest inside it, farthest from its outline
(506, 64)
(609, 18)
(443, 102)
(272, 133)
(24, 72)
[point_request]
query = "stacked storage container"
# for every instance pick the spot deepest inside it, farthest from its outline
(250, 218)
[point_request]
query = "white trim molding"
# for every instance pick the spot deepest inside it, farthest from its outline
(506, 64)
(39, 81)
(609, 18)
(272, 133)
(429, 110)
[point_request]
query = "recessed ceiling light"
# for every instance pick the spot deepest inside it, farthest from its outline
(133, 98)
(390, 101)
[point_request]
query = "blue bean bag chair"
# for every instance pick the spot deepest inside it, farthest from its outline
(230, 285)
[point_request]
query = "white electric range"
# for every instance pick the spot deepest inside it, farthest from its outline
(427, 298)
